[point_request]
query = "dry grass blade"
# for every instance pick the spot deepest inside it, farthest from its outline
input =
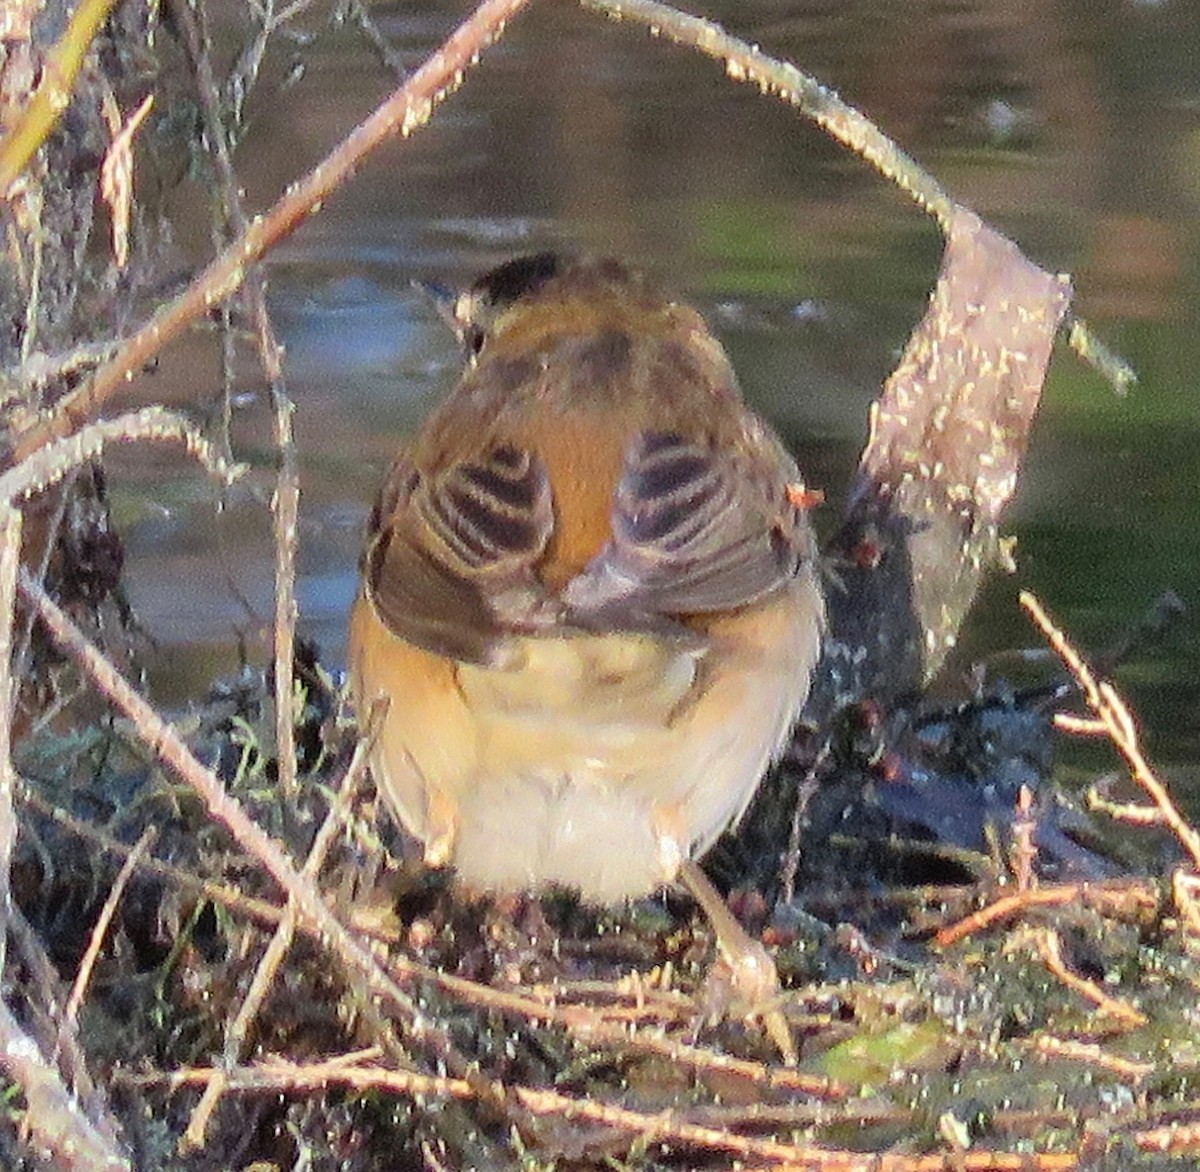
(100, 928)
(116, 178)
(53, 94)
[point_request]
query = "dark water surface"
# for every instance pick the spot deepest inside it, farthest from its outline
(1073, 126)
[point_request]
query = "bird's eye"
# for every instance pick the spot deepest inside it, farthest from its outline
(473, 340)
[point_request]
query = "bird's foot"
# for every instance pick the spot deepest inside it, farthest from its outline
(744, 981)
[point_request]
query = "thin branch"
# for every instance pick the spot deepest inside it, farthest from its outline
(1050, 949)
(53, 1118)
(1112, 898)
(1103, 700)
(100, 929)
(55, 461)
(268, 966)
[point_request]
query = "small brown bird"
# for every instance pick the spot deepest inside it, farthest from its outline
(588, 595)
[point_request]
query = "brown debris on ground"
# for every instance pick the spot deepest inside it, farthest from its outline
(214, 958)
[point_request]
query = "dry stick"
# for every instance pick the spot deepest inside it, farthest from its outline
(1135, 814)
(51, 463)
(10, 560)
(1106, 895)
(168, 746)
(1102, 698)
(286, 504)
(100, 930)
(1088, 1052)
(268, 966)
(53, 1118)
(841, 122)
(664, 1127)
(1176, 1139)
(1050, 949)
(408, 108)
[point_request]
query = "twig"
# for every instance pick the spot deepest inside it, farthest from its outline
(285, 519)
(56, 460)
(843, 123)
(1023, 852)
(1050, 949)
(1091, 1054)
(408, 108)
(1134, 814)
(1176, 1139)
(100, 929)
(10, 559)
(53, 1118)
(665, 1127)
(1103, 699)
(1112, 895)
(1080, 726)
(268, 966)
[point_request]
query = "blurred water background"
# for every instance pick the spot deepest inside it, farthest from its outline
(1073, 125)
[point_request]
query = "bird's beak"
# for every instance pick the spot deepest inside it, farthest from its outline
(445, 301)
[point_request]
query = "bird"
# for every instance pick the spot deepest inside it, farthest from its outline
(590, 605)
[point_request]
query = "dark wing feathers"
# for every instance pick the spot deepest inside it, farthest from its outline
(455, 575)
(693, 533)
(453, 568)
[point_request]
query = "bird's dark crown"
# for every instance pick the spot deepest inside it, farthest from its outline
(509, 282)
(475, 313)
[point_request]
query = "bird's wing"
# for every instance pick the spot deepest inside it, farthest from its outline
(450, 568)
(694, 532)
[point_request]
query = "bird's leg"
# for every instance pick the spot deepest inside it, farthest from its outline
(669, 833)
(754, 978)
(441, 828)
